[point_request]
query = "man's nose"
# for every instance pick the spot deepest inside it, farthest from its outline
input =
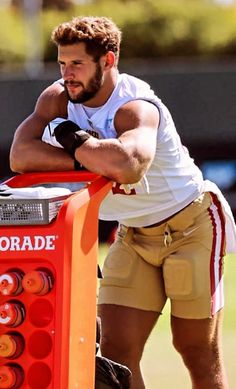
(67, 72)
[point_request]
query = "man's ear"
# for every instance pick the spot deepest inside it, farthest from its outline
(110, 60)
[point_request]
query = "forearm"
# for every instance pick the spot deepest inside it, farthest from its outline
(109, 158)
(38, 156)
(124, 159)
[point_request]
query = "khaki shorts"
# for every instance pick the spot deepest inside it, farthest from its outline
(181, 259)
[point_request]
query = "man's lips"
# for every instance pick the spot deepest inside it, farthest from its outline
(73, 84)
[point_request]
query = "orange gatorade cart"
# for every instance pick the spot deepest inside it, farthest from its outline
(48, 277)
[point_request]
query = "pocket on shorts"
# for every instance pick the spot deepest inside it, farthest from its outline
(120, 266)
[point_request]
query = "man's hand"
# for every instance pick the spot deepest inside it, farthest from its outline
(70, 136)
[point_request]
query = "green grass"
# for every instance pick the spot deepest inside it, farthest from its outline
(162, 366)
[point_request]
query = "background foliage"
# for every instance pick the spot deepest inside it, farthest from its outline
(151, 28)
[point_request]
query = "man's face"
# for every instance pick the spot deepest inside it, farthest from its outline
(82, 76)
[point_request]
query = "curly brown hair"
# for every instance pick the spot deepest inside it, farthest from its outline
(100, 35)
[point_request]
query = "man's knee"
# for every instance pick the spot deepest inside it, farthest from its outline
(193, 355)
(200, 359)
(120, 350)
(122, 339)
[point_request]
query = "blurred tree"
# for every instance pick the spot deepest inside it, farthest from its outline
(58, 4)
(33, 34)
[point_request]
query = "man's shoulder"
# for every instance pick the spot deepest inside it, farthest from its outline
(56, 88)
(133, 81)
(131, 87)
(55, 99)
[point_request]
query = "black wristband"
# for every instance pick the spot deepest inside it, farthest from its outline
(70, 136)
(75, 140)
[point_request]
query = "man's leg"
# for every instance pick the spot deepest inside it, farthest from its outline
(199, 343)
(124, 334)
(131, 295)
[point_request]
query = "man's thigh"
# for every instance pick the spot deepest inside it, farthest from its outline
(193, 268)
(131, 281)
(188, 283)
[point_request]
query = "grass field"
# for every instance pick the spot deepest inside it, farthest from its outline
(163, 367)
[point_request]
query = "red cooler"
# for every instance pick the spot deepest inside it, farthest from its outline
(48, 282)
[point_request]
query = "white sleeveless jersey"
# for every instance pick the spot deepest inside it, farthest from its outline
(171, 182)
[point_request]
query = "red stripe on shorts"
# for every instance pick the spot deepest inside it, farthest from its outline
(217, 253)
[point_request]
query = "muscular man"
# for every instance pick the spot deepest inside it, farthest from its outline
(173, 226)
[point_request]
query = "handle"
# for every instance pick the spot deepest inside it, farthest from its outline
(28, 179)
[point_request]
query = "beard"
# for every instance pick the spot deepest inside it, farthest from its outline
(88, 92)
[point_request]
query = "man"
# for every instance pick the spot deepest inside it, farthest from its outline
(171, 239)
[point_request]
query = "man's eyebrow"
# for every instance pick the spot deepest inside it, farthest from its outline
(77, 60)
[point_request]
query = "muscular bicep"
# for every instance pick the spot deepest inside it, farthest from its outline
(126, 158)
(50, 104)
(136, 124)
(31, 128)
(28, 151)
